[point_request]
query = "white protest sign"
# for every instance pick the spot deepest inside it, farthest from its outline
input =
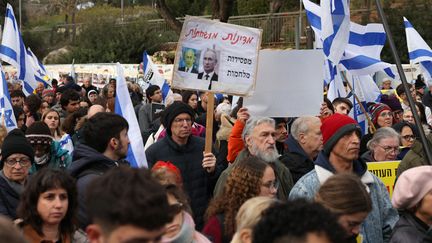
(289, 84)
(216, 56)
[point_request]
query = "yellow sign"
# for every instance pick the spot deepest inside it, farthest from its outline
(386, 171)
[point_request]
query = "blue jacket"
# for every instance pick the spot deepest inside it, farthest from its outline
(377, 227)
(60, 159)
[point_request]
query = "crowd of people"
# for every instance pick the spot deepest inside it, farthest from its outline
(64, 177)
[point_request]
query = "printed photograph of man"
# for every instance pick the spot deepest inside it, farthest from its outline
(209, 64)
(188, 61)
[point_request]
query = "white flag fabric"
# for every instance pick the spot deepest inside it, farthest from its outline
(13, 51)
(152, 76)
(41, 72)
(335, 27)
(362, 53)
(7, 115)
(418, 50)
(123, 107)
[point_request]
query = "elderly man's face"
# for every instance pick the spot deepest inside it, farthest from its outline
(87, 82)
(261, 142)
(189, 58)
(40, 88)
(348, 147)
(312, 140)
(181, 127)
(16, 167)
(209, 61)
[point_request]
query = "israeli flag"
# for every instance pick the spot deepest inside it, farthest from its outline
(7, 114)
(367, 91)
(336, 88)
(152, 76)
(124, 108)
(362, 53)
(41, 74)
(418, 50)
(335, 27)
(13, 51)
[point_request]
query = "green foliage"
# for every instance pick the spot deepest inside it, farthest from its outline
(246, 7)
(106, 41)
(181, 8)
(418, 13)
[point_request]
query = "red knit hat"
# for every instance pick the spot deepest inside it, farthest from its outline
(376, 109)
(335, 127)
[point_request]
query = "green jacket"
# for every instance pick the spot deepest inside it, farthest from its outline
(283, 175)
(415, 157)
(59, 159)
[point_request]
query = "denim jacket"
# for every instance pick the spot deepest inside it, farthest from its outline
(377, 227)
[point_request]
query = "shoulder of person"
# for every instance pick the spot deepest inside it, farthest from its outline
(79, 236)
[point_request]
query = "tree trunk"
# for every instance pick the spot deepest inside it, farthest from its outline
(275, 6)
(166, 14)
(216, 9)
(273, 25)
(367, 13)
(66, 33)
(225, 10)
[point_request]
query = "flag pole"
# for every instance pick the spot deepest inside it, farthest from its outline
(423, 139)
(370, 123)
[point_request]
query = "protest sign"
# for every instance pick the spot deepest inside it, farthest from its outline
(386, 171)
(289, 84)
(216, 56)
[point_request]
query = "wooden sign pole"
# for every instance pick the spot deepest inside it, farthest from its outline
(209, 123)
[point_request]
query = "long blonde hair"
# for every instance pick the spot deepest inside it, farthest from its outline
(250, 213)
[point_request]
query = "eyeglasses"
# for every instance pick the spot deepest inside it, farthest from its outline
(271, 184)
(182, 120)
(24, 162)
(389, 149)
(409, 137)
(385, 114)
(176, 207)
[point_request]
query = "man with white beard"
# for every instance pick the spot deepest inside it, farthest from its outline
(259, 139)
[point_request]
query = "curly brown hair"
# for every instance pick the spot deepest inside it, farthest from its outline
(242, 184)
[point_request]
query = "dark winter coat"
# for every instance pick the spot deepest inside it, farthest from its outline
(87, 165)
(9, 199)
(415, 157)
(296, 159)
(197, 183)
(410, 229)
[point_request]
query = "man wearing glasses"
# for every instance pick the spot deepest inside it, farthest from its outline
(341, 138)
(17, 158)
(198, 169)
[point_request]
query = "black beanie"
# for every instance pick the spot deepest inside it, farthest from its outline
(39, 133)
(16, 143)
(150, 91)
(172, 111)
